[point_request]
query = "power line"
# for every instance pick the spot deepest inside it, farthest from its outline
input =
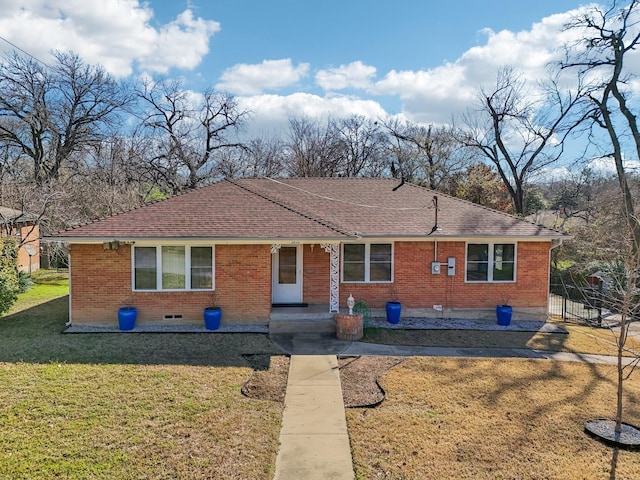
(25, 52)
(346, 202)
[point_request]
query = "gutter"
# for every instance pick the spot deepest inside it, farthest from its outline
(193, 240)
(555, 240)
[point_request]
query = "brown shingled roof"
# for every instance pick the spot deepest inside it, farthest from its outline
(308, 208)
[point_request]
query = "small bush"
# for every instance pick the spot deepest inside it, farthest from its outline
(9, 285)
(24, 282)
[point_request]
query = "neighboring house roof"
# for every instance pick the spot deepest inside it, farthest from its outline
(307, 209)
(17, 216)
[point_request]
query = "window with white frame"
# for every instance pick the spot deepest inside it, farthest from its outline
(173, 267)
(367, 262)
(491, 262)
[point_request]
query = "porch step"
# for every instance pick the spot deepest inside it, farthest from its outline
(311, 319)
(302, 326)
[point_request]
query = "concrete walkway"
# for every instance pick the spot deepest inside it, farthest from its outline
(328, 345)
(314, 443)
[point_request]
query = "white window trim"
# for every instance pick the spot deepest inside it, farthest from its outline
(187, 265)
(367, 262)
(491, 260)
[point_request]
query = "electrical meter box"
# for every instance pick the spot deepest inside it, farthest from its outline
(435, 268)
(451, 266)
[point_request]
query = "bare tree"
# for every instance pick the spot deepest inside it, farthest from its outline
(401, 155)
(361, 145)
(620, 297)
(190, 130)
(264, 157)
(608, 38)
(518, 131)
(428, 155)
(113, 179)
(49, 114)
(312, 150)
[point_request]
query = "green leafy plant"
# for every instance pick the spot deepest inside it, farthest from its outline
(24, 282)
(9, 284)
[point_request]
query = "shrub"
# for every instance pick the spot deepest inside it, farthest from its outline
(9, 285)
(24, 282)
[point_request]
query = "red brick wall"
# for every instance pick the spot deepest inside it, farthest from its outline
(101, 283)
(243, 281)
(315, 281)
(30, 235)
(416, 287)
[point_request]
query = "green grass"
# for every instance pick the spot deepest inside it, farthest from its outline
(47, 285)
(126, 406)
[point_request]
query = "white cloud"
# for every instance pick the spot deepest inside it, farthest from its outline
(437, 94)
(434, 95)
(115, 33)
(549, 174)
(181, 43)
(606, 165)
(123, 35)
(429, 95)
(271, 113)
(354, 75)
(246, 79)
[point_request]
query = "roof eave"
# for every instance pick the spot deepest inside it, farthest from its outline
(307, 240)
(187, 240)
(460, 237)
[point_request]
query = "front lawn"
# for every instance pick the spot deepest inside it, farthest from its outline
(470, 419)
(127, 406)
(169, 406)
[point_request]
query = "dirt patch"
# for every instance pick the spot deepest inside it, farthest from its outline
(358, 375)
(269, 379)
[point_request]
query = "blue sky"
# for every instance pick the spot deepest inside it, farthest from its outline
(408, 34)
(416, 60)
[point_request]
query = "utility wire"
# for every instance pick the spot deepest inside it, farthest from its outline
(346, 202)
(127, 110)
(25, 52)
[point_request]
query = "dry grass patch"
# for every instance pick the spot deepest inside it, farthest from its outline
(585, 339)
(78, 421)
(490, 419)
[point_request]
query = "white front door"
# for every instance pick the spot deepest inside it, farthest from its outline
(287, 275)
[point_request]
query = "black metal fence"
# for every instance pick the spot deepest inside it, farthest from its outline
(579, 303)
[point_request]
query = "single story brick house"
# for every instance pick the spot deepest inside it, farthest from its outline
(26, 229)
(266, 244)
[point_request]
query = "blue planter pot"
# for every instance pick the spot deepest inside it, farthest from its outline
(127, 317)
(212, 316)
(394, 309)
(504, 312)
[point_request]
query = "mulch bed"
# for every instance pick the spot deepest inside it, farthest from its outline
(358, 375)
(269, 378)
